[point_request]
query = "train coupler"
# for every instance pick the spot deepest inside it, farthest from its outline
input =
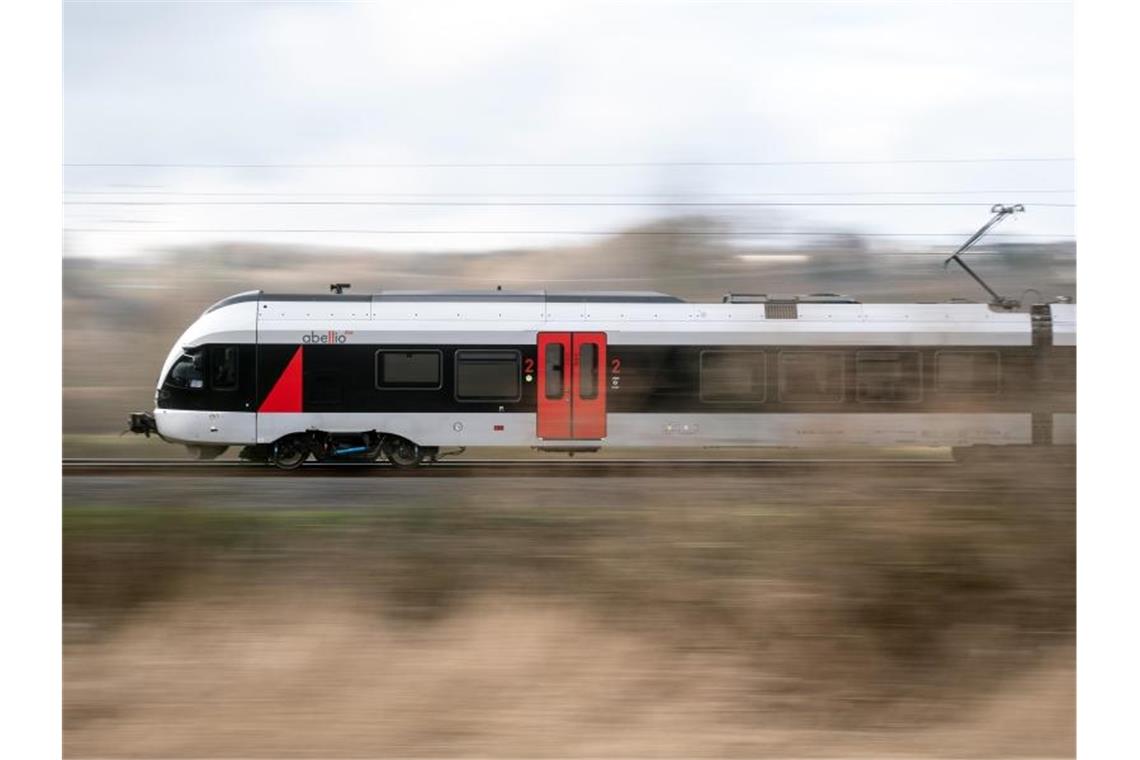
(142, 423)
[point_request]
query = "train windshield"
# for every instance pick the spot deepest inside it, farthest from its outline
(187, 371)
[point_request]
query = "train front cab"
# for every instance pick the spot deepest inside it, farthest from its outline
(206, 392)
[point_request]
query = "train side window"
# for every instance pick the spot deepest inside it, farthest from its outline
(554, 371)
(975, 373)
(733, 376)
(224, 368)
(408, 370)
(588, 371)
(811, 377)
(187, 371)
(888, 376)
(488, 375)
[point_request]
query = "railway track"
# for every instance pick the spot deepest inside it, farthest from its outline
(485, 467)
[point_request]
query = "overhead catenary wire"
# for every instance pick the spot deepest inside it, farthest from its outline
(662, 233)
(683, 204)
(377, 194)
(565, 164)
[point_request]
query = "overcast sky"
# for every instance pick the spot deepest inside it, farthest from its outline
(547, 83)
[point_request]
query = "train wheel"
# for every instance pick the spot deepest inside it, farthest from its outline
(403, 453)
(289, 453)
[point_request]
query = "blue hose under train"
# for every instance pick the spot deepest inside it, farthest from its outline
(351, 450)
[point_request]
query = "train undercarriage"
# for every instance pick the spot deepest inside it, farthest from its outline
(292, 451)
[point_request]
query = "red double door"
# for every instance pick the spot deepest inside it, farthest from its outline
(571, 385)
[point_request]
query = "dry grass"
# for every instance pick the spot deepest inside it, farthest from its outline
(314, 676)
(642, 627)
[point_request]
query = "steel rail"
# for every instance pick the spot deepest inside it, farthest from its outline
(487, 467)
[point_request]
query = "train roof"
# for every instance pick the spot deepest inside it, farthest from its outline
(631, 316)
(460, 296)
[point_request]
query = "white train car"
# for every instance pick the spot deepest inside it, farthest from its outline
(410, 374)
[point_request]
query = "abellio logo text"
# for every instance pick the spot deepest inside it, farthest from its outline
(331, 337)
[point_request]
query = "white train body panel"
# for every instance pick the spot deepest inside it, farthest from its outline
(265, 321)
(675, 431)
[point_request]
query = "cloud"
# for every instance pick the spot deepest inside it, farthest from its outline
(550, 82)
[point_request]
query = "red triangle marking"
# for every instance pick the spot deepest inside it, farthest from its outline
(286, 393)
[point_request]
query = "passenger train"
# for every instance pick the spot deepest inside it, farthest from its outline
(414, 376)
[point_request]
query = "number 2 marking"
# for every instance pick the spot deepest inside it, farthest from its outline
(528, 363)
(615, 366)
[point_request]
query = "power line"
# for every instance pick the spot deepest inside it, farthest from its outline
(856, 193)
(701, 204)
(564, 164)
(653, 233)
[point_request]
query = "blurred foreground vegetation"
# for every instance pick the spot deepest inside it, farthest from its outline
(736, 623)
